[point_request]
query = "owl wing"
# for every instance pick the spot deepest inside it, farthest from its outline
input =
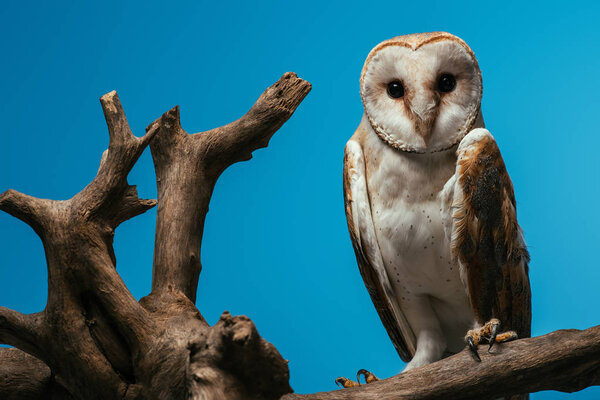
(366, 248)
(486, 239)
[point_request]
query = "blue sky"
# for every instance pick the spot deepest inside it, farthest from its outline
(276, 246)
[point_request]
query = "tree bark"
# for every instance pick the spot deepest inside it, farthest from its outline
(24, 377)
(94, 340)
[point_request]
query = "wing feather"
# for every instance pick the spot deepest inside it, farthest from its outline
(486, 238)
(366, 248)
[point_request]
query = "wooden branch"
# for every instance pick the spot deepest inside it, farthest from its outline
(94, 326)
(236, 141)
(250, 367)
(24, 377)
(21, 330)
(97, 340)
(108, 198)
(565, 360)
(31, 210)
(187, 168)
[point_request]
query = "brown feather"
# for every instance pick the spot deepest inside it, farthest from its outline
(487, 240)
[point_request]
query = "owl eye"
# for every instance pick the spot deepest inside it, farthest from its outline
(395, 89)
(446, 83)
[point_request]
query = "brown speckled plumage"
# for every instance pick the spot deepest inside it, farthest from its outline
(488, 241)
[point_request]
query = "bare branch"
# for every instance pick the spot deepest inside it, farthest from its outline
(21, 330)
(118, 127)
(101, 326)
(564, 360)
(24, 377)
(31, 210)
(187, 168)
(98, 341)
(236, 141)
(108, 195)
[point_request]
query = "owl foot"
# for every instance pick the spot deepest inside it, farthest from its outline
(488, 333)
(346, 383)
(369, 376)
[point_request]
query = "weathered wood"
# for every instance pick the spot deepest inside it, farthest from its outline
(24, 377)
(564, 360)
(187, 168)
(82, 280)
(98, 341)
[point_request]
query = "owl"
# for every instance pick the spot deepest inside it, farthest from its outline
(430, 206)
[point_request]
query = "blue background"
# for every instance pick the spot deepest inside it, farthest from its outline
(276, 246)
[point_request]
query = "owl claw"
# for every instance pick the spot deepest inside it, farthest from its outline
(345, 382)
(369, 376)
(488, 333)
(473, 348)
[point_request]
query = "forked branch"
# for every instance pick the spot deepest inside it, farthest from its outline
(92, 326)
(187, 167)
(98, 341)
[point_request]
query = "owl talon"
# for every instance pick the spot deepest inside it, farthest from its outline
(488, 333)
(369, 376)
(473, 347)
(345, 382)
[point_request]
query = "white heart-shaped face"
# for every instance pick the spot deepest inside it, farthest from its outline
(427, 117)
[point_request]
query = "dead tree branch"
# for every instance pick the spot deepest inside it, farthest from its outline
(20, 330)
(94, 337)
(187, 168)
(564, 360)
(84, 288)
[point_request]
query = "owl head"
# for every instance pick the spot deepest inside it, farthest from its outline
(421, 92)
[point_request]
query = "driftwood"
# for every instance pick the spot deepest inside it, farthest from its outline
(95, 341)
(94, 337)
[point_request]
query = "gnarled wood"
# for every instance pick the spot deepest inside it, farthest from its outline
(24, 377)
(98, 341)
(187, 168)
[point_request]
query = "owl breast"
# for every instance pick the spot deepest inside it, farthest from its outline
(405, 192)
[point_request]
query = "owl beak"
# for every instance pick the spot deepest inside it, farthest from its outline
(425, 111)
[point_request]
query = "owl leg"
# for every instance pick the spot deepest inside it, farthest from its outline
(346, 383)
(488, 333)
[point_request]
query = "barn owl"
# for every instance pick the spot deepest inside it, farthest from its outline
(430, 206)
